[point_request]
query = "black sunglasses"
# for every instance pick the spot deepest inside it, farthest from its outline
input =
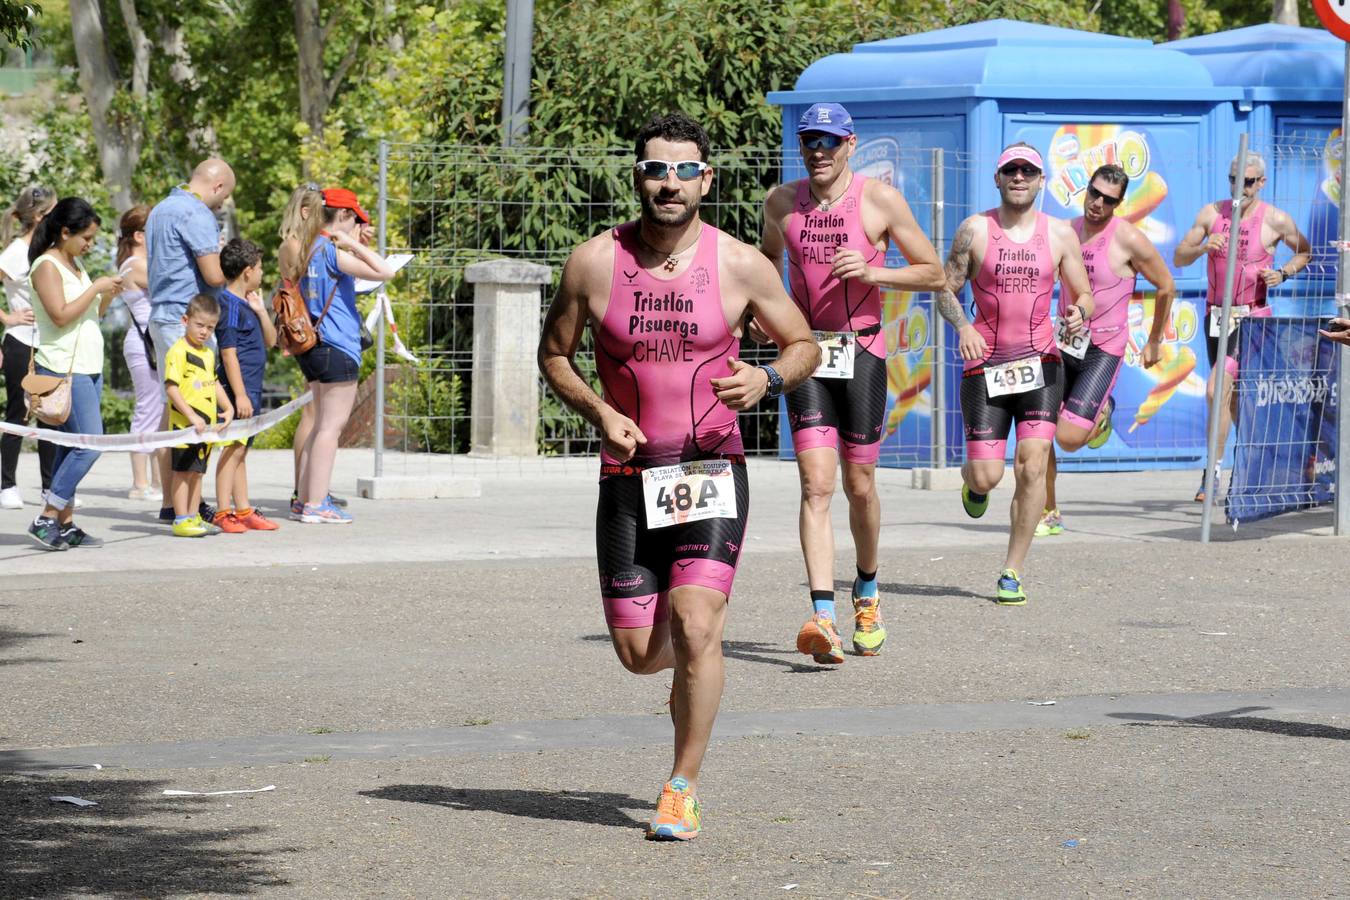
(1028, 171)
(1094, 194)
(822, 142)
(1248, 182)
(685, 170)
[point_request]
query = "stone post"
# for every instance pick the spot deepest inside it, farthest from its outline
(507, 309)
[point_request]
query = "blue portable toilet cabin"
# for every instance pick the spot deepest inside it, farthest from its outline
(1291, 81)
(1083, 99)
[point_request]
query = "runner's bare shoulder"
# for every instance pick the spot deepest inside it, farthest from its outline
(778, 205)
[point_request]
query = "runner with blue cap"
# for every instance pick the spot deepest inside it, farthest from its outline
(835, 226)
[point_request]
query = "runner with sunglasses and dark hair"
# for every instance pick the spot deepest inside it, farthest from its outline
(665, 298)
(1011, 256)
(1262, 228)
(1115, 253)
(836, 226)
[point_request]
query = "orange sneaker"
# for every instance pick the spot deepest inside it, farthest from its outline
(679, 815)
(226, 522)
(819, 639)
(257, 521)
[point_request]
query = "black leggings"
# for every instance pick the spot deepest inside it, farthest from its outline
(16, 367)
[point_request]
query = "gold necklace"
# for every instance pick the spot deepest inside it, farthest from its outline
(673, 257)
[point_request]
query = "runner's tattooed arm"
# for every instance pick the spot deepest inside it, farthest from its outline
(564, 325)
(970, 343)
(957, 271)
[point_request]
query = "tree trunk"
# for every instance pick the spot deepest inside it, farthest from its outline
(202, 139)
(1176, 19)
(1286, 12)
(309, 38)
(118, 141)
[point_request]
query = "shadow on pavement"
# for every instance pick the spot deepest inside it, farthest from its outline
(845, 588)
(592, 808)
(9, 639)
(1239, 720)
(747, 651)
(58, 850)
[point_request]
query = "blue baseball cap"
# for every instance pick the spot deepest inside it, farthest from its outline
(831, 118)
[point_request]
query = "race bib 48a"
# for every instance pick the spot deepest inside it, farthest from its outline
(689, 492)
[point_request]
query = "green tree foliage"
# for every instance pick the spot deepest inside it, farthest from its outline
(16, 21)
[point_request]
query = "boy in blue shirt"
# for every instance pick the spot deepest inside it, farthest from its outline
(244, 334)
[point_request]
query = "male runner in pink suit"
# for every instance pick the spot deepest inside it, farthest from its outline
(1115, 253)
(665, 297)
(1261, 228)
(1011, 256)
(835, 225)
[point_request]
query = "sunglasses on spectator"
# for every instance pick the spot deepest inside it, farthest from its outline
(1094, 194)
(1247, 182)
(1028, 171)
(685, 170)
(822, 142)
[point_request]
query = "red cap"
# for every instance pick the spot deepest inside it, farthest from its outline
(341, 198)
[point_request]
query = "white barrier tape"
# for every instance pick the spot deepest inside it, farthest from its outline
(238, 430)
(382, 301)
(1340, 245)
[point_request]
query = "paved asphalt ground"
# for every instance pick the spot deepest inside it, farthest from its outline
(432, 694)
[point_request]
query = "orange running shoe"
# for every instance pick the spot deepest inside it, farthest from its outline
(257, 521)
(819, 639)
(679, 815)
(226, 522)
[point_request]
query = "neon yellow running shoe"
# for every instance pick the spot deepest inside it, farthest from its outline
(193, 527)
(869, 633)
(1098, 440)
(1052, 523)
(1010, 591)
(679, 815)
(973, 507)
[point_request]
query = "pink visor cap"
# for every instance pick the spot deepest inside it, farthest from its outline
(1023, 153)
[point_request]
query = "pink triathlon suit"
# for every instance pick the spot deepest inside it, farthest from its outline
(1013, 294)
(1088, 382)
(830, 412)
(660, 343)
(1250, 287)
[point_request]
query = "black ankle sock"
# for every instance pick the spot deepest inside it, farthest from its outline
(866, 576)
(822, 595)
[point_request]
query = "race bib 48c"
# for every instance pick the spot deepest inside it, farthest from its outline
(836, 353)
(1016, 377)
(1072, 345)
(689, 492)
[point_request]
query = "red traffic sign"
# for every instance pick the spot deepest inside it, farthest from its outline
(1335, 15)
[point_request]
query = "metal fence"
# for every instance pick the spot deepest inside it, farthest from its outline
(450, 206)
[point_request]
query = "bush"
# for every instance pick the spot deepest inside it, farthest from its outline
(429, 405)
(280, 436)
(117, 409)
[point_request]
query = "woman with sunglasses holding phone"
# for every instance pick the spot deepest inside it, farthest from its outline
(1261, 229)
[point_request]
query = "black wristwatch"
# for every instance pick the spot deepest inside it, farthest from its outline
(775, 389)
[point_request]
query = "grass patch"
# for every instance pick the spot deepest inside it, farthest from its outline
(477, 721)
(318, 759)
(1078, 734)
(321, 729)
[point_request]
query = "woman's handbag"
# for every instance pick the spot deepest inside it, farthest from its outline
(48, 396)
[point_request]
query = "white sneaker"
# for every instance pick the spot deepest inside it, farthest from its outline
(10, 498)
